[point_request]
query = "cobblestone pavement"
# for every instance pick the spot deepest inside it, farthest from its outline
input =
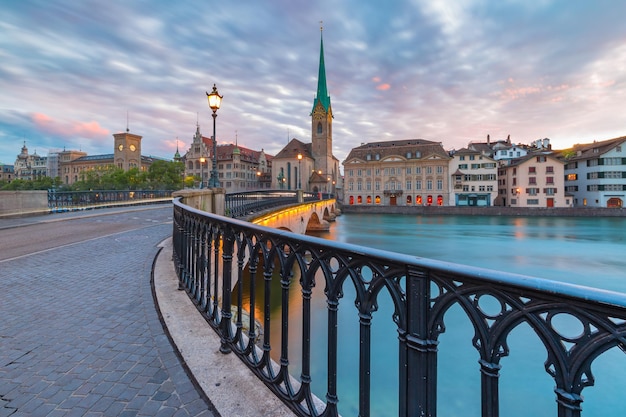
(80, 334)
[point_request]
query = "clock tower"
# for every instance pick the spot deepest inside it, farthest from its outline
(127, 151)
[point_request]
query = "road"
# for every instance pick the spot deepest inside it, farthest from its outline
(79, 330)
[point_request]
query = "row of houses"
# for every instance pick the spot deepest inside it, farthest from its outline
(420, 172)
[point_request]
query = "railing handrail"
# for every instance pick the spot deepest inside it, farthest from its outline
(422, 290)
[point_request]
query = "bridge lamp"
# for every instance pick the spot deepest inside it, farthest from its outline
(299, 171)
(215, 100)
(202, 161)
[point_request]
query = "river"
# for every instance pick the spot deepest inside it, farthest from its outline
(584, 251)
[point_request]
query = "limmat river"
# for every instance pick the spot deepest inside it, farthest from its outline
(584, 251)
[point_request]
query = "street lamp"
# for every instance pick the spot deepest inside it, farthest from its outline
(202, 161)
(299, 172)
(214, 103)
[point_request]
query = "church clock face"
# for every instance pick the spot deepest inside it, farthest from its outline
(132, 148)
(120, 148)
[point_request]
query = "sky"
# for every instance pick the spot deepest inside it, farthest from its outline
(73, 73)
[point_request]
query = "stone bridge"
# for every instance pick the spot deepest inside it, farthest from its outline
(299, 218)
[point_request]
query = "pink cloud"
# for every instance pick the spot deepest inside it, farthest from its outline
(383, 87)
(68, 128)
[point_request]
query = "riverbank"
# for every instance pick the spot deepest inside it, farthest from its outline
(487, 211)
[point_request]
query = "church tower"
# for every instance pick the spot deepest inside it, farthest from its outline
(322, 123)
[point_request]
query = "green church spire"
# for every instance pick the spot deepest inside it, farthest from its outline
(322, 90)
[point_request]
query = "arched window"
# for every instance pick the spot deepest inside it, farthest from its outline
(429, 200)
(408, 199)
(439, 200)
(418, 200)
(359, 200)
(369, 199)
(351, 200)
(319, 128)
(377, 199)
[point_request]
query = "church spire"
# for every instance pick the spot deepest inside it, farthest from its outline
(322, 91)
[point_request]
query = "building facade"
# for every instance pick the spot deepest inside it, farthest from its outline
(7, 173)
(238, 168)
(474, 179)
(536, 180)
(595, 173)
(29, 166)
(71, 166)
(405, 172)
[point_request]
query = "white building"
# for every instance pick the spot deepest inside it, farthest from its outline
(474, 179)
(595, 173)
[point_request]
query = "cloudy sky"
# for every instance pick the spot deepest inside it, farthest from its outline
(449, 71)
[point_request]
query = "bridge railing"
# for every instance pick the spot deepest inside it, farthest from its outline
(67, 200)
(244, 203)
(216, 258)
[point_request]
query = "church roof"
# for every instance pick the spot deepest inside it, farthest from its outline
(423, 148)
(293, 148)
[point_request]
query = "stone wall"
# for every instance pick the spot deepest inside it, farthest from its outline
(488, 211)
(23, 203)
(211, 200)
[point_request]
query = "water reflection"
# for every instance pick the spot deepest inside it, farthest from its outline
(586, 251)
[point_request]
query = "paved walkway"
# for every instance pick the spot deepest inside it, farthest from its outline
(80, 335)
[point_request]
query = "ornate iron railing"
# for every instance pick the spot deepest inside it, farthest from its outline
(67, 200)
(215, 257)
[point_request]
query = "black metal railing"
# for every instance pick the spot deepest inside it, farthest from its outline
(216, 258)
(68, 200)
(246, 203)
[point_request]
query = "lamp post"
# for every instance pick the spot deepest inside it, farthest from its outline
(214, 103)
(299, 172)
(202, 161)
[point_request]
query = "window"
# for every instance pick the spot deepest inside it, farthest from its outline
(439, 169)
(429, 170)
(418, 184)
(481, 188)
(359, 186)
(319, 128)
(440, 184)
(351, 173)
(462, 158)
(532, 170)
(368, 186)
(571, 177)
(475, 166)
(377, 185)
(408, 184)
(418, 170)
(472, 157)
(429, 184)
(549, 180)
(462, 166)
(408, 170)
(532, 201)
(532, 180)
(408, 155)
(549, 170)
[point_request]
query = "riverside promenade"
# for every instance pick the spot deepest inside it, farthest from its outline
(83, 331)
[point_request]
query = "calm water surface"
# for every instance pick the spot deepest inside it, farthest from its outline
(585, 251)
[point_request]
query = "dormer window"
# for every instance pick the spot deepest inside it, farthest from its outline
(377, 156)
(368, 157)
(408, 155)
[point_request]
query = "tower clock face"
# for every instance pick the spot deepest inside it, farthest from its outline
(132, 148)
(121, 147)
